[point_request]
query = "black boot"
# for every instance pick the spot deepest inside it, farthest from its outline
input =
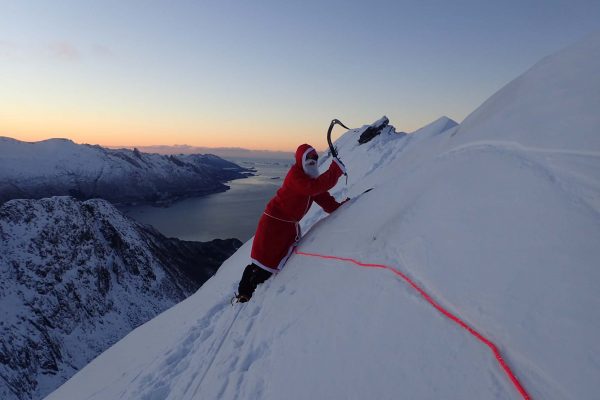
(252, 277)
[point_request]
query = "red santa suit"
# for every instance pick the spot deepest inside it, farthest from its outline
(278, 228)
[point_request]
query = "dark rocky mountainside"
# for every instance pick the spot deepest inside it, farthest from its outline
(75, 277)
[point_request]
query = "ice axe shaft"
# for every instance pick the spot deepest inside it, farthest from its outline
(334, 122)
(334, 152)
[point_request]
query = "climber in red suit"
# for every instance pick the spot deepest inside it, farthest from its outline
(279, 226)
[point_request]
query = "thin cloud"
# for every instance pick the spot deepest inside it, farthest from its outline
(64, 51)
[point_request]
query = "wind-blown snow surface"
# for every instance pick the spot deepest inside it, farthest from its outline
(499, 219)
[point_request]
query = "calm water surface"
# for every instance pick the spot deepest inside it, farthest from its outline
(233, 213)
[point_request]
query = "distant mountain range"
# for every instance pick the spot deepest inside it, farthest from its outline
(57, 167)
(75, 277)
(225, 152)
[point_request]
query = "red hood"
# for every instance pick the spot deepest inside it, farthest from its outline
(301, 151)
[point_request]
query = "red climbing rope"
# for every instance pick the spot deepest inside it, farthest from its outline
(437, 306)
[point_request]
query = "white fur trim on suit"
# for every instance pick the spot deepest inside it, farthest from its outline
(306, 153)
(272, 270)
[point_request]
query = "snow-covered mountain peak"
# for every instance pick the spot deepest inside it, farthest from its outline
(541, 107)
(498, 226)
(58, 141)
(61, 167)
(440, 125)
(42, 145)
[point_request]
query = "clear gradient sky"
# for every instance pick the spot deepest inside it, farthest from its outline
(262, 74)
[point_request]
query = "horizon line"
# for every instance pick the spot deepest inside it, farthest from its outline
(173, 146)
(189, 146)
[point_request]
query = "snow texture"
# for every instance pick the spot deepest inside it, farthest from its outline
(498, 218)
(58, 167)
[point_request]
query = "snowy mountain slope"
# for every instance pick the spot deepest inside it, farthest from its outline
(75, 278)
(501, 230)
(543, 106)
(61, 167)
(363, 160)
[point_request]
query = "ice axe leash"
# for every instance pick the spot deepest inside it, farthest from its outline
(332, 149)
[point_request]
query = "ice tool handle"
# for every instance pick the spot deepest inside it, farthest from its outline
(333, 150)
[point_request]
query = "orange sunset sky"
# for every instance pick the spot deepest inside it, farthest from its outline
(260, 75)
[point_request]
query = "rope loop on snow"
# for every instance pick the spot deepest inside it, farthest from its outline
(503, 364)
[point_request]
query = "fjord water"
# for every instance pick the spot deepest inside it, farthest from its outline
(229, 214)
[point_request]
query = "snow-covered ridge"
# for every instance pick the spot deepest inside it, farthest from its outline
(77, 276)
(61, 167)
(498, 218)
(557, 94)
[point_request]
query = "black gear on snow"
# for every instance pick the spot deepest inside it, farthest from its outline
(373, 130)
(252, 277)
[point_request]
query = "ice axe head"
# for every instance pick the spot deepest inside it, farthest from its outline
(337, 121)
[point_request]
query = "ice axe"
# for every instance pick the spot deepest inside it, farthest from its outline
(334, 122)
(334, 152)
